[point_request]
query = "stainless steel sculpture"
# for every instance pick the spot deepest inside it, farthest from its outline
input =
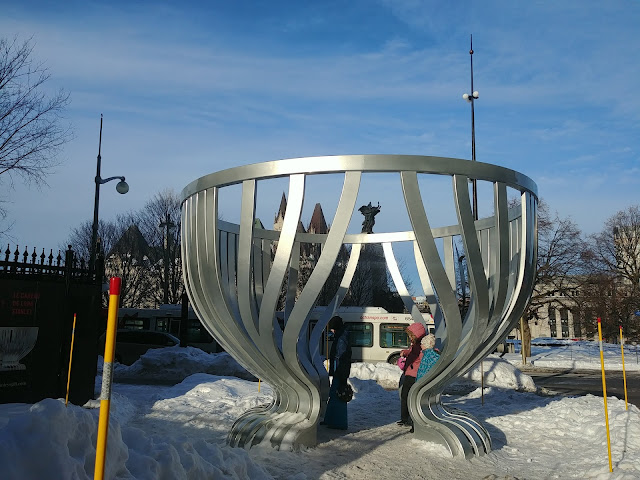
(234, 283)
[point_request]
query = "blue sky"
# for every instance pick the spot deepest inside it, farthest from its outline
(188, 88)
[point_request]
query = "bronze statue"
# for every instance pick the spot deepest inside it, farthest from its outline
(369, 213)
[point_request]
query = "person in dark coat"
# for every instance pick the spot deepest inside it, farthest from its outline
(413, 354)
(340, 369)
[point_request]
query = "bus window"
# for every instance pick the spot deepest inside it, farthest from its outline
(360, 334)
(392, 335)
(196, 333)
(133, 322)
(324, 338)
(162, 324)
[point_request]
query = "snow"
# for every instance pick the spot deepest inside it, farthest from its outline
(174, 426)
(585, 355)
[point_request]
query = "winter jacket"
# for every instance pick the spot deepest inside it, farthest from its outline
(429, 359)
(414, 353)
(340, 356)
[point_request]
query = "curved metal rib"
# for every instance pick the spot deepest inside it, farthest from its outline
(401, 288)
(316, 334)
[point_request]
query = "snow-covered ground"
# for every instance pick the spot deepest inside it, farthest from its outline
(172, 432)
(582, 355)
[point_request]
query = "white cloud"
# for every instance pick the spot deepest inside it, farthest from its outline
(182, 98)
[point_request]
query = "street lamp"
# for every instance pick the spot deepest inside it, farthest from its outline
(471, 99)
(168, 225)
(121, 187)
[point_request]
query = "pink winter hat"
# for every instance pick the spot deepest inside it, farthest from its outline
(417, 329)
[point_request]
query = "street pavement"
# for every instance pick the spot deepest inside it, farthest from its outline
(576, 382)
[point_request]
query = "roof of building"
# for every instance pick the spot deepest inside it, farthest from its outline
(282, 209)
(317, 224)
(131, 242)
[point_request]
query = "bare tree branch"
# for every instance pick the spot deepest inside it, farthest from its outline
(614, 261)
(159, 222)
(559, 269)
(31, 129)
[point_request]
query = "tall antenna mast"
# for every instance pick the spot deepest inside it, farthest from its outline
(474, 95)
(471, 98)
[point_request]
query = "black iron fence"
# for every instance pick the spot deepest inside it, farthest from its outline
(39, 296)
(65, 264)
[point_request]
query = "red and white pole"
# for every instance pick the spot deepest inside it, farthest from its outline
(107, 377)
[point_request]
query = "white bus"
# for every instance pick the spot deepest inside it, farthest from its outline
(167, 318)
(375, 334)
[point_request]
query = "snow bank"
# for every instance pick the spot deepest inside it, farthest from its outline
(497, 373)
(49, 440)
(385, 374)
(171, 365)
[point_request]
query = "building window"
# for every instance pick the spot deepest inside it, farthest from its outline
(552, 322)
(577, 327)
(564, 322)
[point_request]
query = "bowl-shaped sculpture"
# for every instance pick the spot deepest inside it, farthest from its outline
(15, 344)
(234, 281)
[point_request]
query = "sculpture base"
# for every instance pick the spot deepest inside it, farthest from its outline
(283, 431)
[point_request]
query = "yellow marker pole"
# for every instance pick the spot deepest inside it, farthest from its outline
(326, 344)
(482, 380)
(107, 373)
(624, 374)
(524, 359)
(604, 393)
(73, 337)
(258, 385)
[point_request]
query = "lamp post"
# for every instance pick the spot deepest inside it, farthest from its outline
(471, 98)
(122, 187)
(166, 225)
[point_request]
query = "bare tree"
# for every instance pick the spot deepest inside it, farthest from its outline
(463, 290)
(360, 290)
(559, 268)
(126, 255)
(614, 255)
(80, 237)
(31, 131)
(372, 283)
(308, 257)
(598, 299)
(331, 286)
(143, 248)
(159, 222)
(129, 259)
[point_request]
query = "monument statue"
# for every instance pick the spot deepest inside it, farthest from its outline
(234, 281)
(369, 212)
